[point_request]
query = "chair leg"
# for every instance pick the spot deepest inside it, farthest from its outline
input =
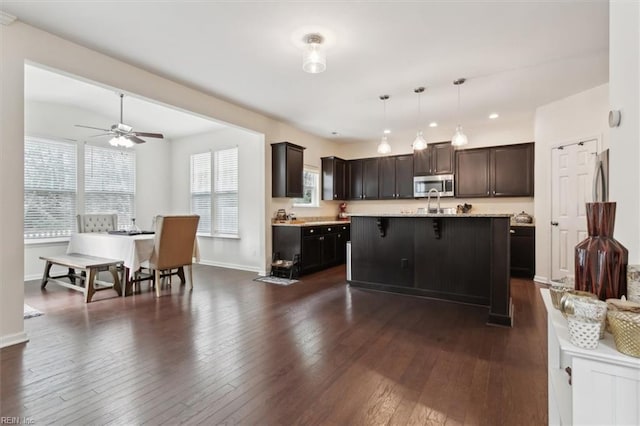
(45, 276)
(190, 277)
(157, 280)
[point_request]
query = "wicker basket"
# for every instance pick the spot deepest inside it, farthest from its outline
(625, 327)
(584, 332)
(556, 292)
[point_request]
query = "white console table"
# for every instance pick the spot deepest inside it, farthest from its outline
(605, 384)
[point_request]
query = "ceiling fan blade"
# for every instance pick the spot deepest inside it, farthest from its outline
(134, 139)
(101, 134)
(90, 127)
(149, 135)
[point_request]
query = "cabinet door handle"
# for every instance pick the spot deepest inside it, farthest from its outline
(335, 195)
(487, 192)
(311, 231)
(328, 229)
(494, 192)
(321, 238)
(554, 223)
(511, 231)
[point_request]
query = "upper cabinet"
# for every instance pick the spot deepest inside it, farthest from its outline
(362, 179)
(334, 176)
(501, 171)
(436, 159)
(287, 163)
(396, 177)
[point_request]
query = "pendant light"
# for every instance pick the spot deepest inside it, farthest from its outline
(383, 146)
(459, 138)
(314, 59)
(419, 143)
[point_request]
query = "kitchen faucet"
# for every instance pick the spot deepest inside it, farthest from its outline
(429, 200)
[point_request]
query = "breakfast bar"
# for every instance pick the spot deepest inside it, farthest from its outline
(456, 257)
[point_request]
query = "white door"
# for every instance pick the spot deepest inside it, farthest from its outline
(572, 169)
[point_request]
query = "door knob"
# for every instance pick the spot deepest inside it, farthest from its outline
(554, 223)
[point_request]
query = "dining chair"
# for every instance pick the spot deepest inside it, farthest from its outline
(175, 238)
(97, 222)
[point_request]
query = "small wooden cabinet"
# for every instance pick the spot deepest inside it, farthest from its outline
(362, 179)
(501, 171)
(319, 247)
(334, 178)
(287, 163)
(436, 159)
(523, 251)
(396, 177)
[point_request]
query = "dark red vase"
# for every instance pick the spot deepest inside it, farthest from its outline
(601, 261)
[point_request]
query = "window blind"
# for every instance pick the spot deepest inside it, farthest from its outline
(110, 182)
(50, 170)
(201, 190)
(225, 196)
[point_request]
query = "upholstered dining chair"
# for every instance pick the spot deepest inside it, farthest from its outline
(174, 244)
(97, 222)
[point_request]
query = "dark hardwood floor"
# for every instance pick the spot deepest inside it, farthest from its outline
(236, 351)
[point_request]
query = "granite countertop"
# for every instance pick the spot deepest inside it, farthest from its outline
(462, 215)
(300, 223)
(514, 223)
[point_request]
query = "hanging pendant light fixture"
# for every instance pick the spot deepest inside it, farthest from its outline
(314, 59)
(459, 138)
(383, 146)
(419, 143)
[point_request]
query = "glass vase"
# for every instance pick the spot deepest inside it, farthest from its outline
(600, 260)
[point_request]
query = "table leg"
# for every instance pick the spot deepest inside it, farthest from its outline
(127, 283)
(116, 280)
(45, 276)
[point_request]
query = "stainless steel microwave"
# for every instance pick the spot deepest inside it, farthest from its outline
(443, 184)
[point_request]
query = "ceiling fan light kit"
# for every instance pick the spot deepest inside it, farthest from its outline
(459, 138)
(123, 134)
(314, 58)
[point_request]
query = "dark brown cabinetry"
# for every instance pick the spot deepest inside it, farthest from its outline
(396, 177)
(523, 251)
(504, 171)
(436, 159)
(362, 179)
(319, 247)
(334, 178)
(287, 164)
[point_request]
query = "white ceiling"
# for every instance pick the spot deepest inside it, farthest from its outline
(516, 55)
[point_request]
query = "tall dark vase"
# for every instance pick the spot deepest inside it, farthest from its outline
(601, 261)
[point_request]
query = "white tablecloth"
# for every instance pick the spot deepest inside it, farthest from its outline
(132, 249)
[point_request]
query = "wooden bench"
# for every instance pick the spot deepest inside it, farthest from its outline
(89, 266)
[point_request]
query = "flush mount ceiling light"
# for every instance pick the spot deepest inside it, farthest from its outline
(383, 146)
(433, 124)
(419, 143)
(314, 59)
(493, 116)
(459, 138)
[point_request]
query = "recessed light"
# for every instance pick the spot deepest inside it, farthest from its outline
(387, 131)
(433, 124)
(494, 115)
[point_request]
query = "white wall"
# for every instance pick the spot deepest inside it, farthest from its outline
(248, 251)
(152, 164)
(493, 133)
(569, 120)
(22, 43)
(624, 95)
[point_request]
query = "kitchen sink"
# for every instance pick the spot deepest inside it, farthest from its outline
(443, 210)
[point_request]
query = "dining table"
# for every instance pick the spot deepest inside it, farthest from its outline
(134, 250)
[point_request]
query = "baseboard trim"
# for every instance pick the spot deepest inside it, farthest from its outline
(13, 339)
(541, 280)
(231, 266)
(33, 277)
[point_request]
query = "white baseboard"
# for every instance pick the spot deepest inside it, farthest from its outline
(13, 339)
(541, 280)
(33, 277)
(255, 269)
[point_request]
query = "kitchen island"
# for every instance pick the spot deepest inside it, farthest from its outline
(455, 257)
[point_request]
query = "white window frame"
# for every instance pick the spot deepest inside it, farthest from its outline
(315, 191)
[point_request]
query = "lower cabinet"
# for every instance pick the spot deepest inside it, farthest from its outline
(319, 247)
(523, 251)
(588, 386)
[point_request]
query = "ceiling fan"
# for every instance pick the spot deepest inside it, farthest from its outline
(122, 134)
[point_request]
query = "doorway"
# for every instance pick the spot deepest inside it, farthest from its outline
(572, 170)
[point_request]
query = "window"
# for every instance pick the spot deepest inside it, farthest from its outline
(110, 182)
(49, 188)
(218, 210)
(225, 194)
(310, 190)
(201, 190)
